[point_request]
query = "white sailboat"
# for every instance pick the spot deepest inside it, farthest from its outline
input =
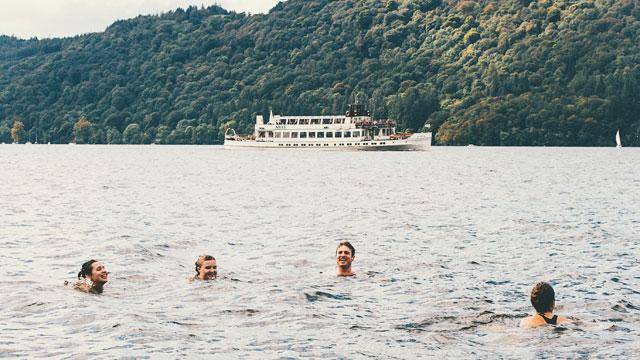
(618, 142)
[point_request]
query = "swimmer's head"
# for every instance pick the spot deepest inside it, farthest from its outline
(345, 254)
(206, 267)
(543, 298)
(94, 270)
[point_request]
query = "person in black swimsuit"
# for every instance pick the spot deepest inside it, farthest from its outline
(544, 301)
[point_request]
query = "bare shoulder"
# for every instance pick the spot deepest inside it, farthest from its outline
(526, 322)
(531, 322)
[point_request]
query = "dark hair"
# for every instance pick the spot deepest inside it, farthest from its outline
(543, 297)
(201, 259)
(86, 269)
(347, 244)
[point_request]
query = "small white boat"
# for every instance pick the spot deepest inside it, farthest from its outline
(618, 142)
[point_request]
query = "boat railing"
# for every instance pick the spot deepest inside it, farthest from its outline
(369, 123)
(400, 135)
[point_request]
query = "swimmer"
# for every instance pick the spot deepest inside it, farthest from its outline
(206, 268)
(345, 254)
(543, 300)
(92, 277)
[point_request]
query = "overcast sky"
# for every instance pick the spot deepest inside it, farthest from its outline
(58, 18)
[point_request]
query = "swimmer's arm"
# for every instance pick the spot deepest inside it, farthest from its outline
(563, 320)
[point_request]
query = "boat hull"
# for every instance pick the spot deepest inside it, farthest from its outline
(416, 142)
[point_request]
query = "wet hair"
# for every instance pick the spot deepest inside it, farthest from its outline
(543, 297)
(202, 259)
(347, 244)
(86, 269)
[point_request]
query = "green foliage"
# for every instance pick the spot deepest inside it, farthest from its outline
(5, 133)
(132, 134)
(485, 72)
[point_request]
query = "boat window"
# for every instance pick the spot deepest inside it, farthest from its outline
(303, 134)
(261, 134)
(312, 134)
(329, 134)
(278, 134)
(270, 134)
(285, 134)
(315, 121)
(320, 134)
(338, 134)
(294, 134)
(347, 134)
(326, 121)
(291, 121)
(356, 133)
(304, 122)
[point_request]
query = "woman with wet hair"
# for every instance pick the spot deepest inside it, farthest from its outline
(543, 299)
(92, 277)
(206, 268)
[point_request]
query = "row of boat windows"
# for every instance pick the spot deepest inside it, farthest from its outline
(325, 121)
(340, 144)
(310, 134)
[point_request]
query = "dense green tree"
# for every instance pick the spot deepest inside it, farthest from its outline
(114, 136)
(486, 72)
(5, 133)
(132, 134)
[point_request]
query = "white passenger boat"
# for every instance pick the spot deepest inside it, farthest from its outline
(355, 130)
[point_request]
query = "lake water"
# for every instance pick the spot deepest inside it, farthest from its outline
(448, 244)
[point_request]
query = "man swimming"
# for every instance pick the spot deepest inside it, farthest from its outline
(544, 301)
(92, 277)
(345, 254)
(206, 268)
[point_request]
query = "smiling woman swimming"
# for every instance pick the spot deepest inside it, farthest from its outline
(92, 277)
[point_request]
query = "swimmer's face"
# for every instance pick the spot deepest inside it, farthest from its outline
(344, 258)
(99, 273)
(208, 270)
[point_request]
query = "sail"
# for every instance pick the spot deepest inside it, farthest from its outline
(618, 143)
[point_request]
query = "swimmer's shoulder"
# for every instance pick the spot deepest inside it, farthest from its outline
(531, 322)
(527, 322)
(82, 286)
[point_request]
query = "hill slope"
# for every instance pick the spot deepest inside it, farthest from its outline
(484, 72)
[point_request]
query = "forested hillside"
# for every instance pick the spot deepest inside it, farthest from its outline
(511, 72)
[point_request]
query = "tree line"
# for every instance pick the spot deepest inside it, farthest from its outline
(515, 72)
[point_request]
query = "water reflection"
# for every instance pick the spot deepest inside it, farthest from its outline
(449, 244)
